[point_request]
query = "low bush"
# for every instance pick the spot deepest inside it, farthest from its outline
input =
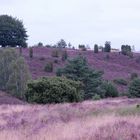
(107, 89)
(53, 90)
(120, 82)
(49, 67)
(134, 88)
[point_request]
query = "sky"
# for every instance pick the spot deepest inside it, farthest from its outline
(78, 21)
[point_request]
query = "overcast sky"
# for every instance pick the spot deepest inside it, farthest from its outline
(78, 21)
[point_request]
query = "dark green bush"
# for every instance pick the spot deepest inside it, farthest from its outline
(55, 53)
(31, 52)
(53, 90)
(96, 50)
(49, 67)
(120, 81)
(64, 55)
(107, 47)
(126, 49)
(134, 88)
(107, 89)
(133, 76)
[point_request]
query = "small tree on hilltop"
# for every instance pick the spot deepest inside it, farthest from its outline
(40, 44)
(126, 49)
(107, 46)
(96, 48)
(69, 45)
(61, 44)
(82, 47)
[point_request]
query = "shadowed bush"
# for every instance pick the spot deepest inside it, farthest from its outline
(107, 89)
(134, 88)
(49, 67)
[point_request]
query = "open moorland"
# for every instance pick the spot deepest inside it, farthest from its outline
(108, 119)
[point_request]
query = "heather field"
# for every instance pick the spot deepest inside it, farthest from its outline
(108, 119)
(117, 66)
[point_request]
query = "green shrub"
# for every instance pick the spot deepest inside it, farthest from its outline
(49, 67)
(107, 47)
(55, 53)
(107, 89)
(53, 90)
(31, 52)
(120, 81)
(133, 76)
(64, 55)
(134, 88)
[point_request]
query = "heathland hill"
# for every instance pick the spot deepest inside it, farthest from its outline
(114, 65)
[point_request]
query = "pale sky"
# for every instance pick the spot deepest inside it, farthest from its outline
(78, 21)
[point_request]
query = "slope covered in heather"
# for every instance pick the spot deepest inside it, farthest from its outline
(115, 66)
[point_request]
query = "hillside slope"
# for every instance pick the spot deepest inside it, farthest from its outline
(117, 66)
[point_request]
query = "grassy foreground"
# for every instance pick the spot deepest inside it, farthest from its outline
(109, 119)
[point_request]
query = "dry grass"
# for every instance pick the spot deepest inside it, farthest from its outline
(110, 119)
